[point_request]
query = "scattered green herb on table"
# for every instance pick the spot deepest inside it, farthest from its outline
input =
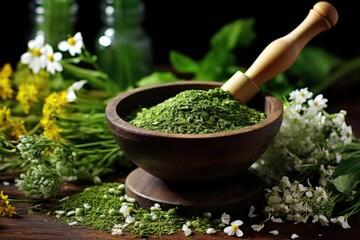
(106, 207)
(197, 112)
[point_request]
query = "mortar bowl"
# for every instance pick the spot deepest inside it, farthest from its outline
(190, 158)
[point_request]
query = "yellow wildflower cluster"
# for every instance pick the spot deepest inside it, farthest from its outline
(54, 106)
(5, 83)
(9, 125)
(31, 87)
(5, 207)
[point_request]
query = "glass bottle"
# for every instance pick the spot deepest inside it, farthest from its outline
(123, 48)
(54, 18)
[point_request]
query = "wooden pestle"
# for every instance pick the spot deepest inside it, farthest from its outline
(280, 54)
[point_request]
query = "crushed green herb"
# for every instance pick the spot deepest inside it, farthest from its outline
(196, 112)
(106, 207)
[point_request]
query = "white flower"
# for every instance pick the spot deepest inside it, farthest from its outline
(251, 212)
(346, 133)
(116, 231)
(340, 118)
(60, 212)
(300, 96)
(129, 219)
(342, 221)
(225, 218)
(129, 199)
(156, 207)
(71, 96)
(234, 229)
(72, 44)
(257, 227)
(87, 206)
(274, 232)
(276, 220)
(6, 183)
(33, 56)
(317, 104)
(186, 229)
(294, 235)
(210, 231)
(321, 219)
(51, 59)
(72, 223)
(125, 210)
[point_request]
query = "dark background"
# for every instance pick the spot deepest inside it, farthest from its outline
(187, 25)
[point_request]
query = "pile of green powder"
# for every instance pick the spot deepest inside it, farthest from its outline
(196, 112)
(99, 207)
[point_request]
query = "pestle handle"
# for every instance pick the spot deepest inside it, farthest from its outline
(280, 54)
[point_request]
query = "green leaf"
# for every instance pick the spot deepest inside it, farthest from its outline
(345, 183)
(183, 63)
(237, 33)
(347, 166)
(214, 65)
(313, 66)
(157, 78)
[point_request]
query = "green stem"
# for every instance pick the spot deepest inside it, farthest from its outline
(345, 69)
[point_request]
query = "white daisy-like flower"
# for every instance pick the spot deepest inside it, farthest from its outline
(71, 96)
(33, 55)
(51, 59)
(73, 44)
(234, 229)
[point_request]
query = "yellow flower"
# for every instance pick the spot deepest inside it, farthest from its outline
(10, 210)
(27, 95)
(5, 84)
(5, 117)
(54, 106)
(52, 131)
(10, 126)
(6, 71)
(17, 128)
(5, 207)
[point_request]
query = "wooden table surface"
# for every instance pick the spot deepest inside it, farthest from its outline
(41, 226)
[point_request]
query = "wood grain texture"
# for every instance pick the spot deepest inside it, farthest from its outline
(234, 195)
(40, 226)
